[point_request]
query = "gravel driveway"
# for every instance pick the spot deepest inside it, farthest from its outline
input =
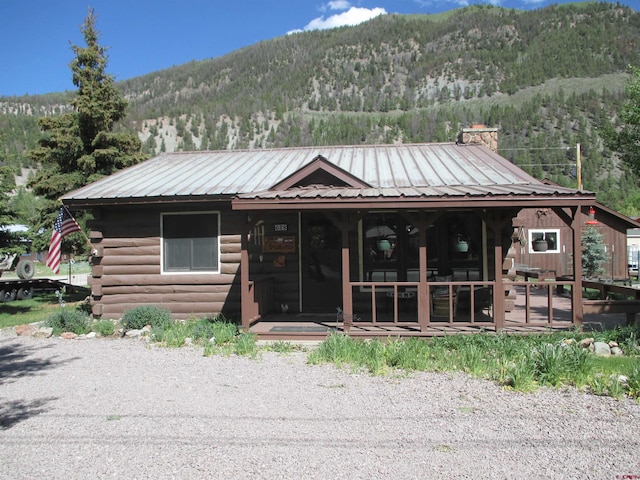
(120, 409)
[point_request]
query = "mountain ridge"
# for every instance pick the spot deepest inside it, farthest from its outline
(547, 78)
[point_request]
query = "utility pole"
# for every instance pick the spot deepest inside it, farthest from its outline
(578, 166)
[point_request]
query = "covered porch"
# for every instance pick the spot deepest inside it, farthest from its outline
(421, 296)
(415, 239)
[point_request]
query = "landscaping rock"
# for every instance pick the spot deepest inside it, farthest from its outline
(91, 335)
(586, 342)
(23, 330)
(8, 332)
(133, 333)
(43, 332)
(68, 335)
(617, 351)
(602, 349)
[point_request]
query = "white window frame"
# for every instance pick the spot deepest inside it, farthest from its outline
(189, 272)
(536, 231)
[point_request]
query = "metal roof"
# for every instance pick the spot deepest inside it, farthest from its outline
(436, 169)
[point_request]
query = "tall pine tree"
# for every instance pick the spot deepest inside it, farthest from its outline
(84, 144)
(626, 141)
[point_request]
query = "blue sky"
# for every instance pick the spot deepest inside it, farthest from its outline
(144, 36)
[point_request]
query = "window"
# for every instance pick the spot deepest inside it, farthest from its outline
(544, 241)
(190, 242)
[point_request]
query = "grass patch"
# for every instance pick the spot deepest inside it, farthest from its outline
(37, 309)
(520, 362)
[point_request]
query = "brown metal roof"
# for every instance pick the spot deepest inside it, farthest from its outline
(440, 170)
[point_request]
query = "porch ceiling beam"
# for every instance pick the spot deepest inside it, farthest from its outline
(566, 217)
(498, 220)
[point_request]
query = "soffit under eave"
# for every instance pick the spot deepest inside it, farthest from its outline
(408, 203)
(166, 200)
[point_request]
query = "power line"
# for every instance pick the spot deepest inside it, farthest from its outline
(534, 148)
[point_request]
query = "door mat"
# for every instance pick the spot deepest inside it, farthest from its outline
(299, 329)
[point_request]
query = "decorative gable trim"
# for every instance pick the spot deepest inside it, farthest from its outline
(322, 168)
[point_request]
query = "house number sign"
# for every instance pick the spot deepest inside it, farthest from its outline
(280, 227)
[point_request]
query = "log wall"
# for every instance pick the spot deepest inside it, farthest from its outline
(612, 229)
(126, 270)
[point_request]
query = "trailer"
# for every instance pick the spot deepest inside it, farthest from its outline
(11, 290)
(23, 267)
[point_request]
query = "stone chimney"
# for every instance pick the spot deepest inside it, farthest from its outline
(478, 133)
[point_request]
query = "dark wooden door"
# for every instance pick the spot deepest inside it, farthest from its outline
(321, 264)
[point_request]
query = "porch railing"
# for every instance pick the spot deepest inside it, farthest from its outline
(463, 303)
(261, 293)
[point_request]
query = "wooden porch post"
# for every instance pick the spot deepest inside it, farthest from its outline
(343, 222)
(576, 298)
(347, 293)
(422, 223)
(499, 291)
(424, 309)
(574, 219)
(246, 302)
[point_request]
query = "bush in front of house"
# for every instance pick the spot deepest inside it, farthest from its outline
(105, 328)
(69, 320)
(138, 317)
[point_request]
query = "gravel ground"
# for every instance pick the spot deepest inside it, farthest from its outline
(120, 409)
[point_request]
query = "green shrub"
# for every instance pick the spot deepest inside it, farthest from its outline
(173, 335)
(136, 318)
(245, 344)
(69, 320)
(104, 327)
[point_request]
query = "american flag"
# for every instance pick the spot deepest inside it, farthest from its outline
(63, 226)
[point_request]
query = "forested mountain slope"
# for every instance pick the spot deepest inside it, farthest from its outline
(548, 79)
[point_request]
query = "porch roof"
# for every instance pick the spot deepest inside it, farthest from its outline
(404, 172)
(424, 197)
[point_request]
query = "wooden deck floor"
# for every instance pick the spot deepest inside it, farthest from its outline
(319, 326)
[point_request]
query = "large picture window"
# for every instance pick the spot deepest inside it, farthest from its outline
(190, 242)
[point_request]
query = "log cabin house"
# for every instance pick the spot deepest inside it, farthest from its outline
(397, 239)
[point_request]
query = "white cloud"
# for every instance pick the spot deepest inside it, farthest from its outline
(338, 5)
(353, 16)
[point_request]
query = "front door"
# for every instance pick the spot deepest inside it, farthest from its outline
(321, 264)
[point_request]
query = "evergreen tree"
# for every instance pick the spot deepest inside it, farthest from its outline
(82, 146)
(626, 141)
(593, 252)
(6, 218)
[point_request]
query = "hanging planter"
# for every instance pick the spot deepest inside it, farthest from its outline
(461, 245)
(384, 245)
(540, 245)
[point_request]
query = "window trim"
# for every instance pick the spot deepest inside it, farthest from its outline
(189, 272)
(544, 231)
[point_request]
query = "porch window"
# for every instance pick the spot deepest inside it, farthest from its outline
(190, 242)
(390, 247)
(544, 241)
